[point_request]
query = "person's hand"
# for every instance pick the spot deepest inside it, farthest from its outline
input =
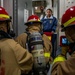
(64, 50)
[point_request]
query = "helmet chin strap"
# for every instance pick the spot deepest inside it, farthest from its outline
(10, 30)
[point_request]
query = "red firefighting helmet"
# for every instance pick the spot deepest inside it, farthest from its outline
(4, 15)
(68, 18)
(32, 19)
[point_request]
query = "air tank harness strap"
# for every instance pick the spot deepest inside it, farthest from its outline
(59, 59)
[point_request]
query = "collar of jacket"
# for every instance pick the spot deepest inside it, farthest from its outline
(48, 18)
(4, 35)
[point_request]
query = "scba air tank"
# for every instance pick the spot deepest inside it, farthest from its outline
(36, 48)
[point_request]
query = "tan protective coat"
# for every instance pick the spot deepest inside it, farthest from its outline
(14, 59)
(64, 68)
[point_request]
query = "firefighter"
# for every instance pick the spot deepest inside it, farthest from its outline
(14, 59)
(61, 65)
(35, 25)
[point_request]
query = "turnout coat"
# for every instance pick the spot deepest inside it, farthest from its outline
(14, 59)
(66, 67)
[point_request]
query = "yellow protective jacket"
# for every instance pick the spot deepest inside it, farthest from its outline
(14, 59)
(66, 67)
(47, 44)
